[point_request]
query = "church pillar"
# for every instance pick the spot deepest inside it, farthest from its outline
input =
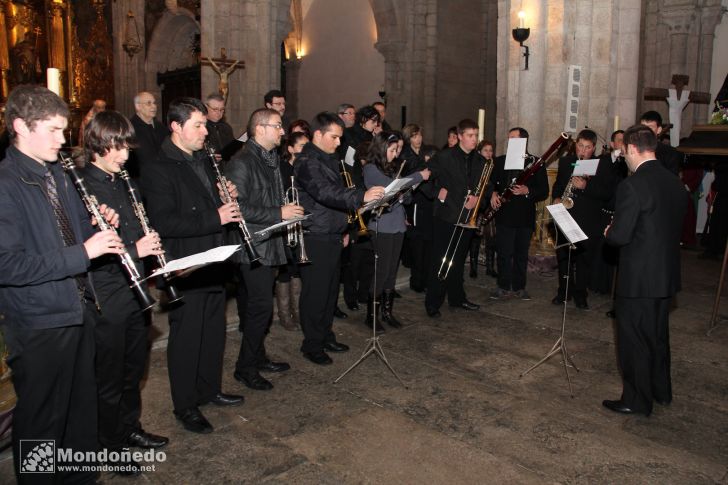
(624, 75)
(393, 52)
(293, 68)
(129, 77)
(4, 54)
(57, 42)
(710, 18)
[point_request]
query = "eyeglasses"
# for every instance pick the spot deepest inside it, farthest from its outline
(219, 110)
(277, 126)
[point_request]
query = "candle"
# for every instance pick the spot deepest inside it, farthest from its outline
(616, 122)
(481, 124)
(53, 77)
(521, 17)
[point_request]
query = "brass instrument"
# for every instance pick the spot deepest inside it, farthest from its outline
(222, 180)
(92, 205)
(294, 236)
(141, 213)
(354, 215)
(471, 217)
(568, 196)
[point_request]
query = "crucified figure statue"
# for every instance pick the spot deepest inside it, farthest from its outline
(223, 67)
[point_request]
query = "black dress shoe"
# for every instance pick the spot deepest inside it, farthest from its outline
(339, 314)
(611, 314)
(417, 289)
(473, 273)
(663, 402)
(353, 306)
(126, 468)
(270, 366)
(319, 358)
(467, 305)
(193, 420)
(433, 312)
(254, 381)
(336, 347)
(621, 407)
(222, 399)
(396, 294)
(558, 300)
(142, 439)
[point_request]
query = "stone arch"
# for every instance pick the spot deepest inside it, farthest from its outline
(170, 45)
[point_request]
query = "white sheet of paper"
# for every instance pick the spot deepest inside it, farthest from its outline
(586, 168)
(516, 153)
(243, 137)
(390, 191)
(566, 223)
(281, 224)
(214, 255)
(349, 158)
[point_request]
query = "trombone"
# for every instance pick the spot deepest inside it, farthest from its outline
(354, 215)
(294, 235)
(471, 217)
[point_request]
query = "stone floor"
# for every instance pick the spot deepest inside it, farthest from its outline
(465, 415)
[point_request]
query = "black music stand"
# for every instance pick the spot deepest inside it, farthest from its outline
(574, 234)
(373, 346)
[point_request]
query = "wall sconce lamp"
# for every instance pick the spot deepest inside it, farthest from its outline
(132, 42)
(521, 34)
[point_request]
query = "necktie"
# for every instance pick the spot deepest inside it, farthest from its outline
(64, 225)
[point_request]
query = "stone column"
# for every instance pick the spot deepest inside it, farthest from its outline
(4, 54)
(393, 51)
(129, 78)
(709, 19)
(57, 42)
(624, 76)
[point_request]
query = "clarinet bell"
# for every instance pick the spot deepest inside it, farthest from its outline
(145, 299)
(173, 294)
(252, 253)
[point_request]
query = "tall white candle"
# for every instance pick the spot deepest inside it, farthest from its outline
(616, 122)
(53, 79)
(481, 124)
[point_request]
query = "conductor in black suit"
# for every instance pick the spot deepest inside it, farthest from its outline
(665, 154)
(647, 226)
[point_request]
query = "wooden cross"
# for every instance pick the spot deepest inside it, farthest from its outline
(679, 81)
(223, 67)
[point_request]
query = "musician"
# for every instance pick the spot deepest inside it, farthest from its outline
(590, 195)
(647, 225)
(255, 171)
(388, 229)
(150, 133)
(347, 113)
(485, 148)
(47, 302)
(456, 171)
(121, 332)
(666, 154)
(219, 132)
(514, 223)
(184, 206)
(322, 194)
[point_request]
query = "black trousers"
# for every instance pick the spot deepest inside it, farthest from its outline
(122, 348)
(580, 269)
(643, 342)
(453, 285)
(53, 375)
(195, 348)
(358, 271)
(241, 293)
(319, 291)
(512, 245)
(388, 247)
(259, 280)
(420, 261)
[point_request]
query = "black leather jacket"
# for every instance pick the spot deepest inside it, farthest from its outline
(260, 199)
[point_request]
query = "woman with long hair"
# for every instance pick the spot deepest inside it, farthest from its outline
(381, 169)
(486, 149)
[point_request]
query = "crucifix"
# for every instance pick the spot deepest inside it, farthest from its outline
(223, 67)
(677, 99)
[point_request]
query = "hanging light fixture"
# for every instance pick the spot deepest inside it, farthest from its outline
(132, 42)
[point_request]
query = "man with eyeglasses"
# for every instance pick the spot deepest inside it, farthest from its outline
(219, 132)
(590, 196)
(150, 133)
(255, 171)
(347, 113)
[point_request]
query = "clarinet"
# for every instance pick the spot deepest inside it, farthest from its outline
(247, 237)
(93, 208)
(141, 213)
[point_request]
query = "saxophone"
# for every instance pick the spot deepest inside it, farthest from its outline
(568, 197)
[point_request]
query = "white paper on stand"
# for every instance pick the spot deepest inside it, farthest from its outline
(281, 224)
(566, 223)
(516, 154)
(396, 186)
(243, 137)
(585, 168)
(349, 158)
(214, 255)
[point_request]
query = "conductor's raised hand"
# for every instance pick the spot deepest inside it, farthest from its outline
(229, 212)
(103, 242)
(374, 193)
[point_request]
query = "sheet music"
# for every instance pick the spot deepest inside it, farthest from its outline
(278, 225)
(214, 255)
(566, 223)
(349, 158)
(391, 190)
(243, 137)
(516, 153)
(585, 168)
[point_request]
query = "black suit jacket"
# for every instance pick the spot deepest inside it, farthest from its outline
(458, 172)
(520, 210)
(669, 157)
(148, 140)
(183, 211)
(647, 224)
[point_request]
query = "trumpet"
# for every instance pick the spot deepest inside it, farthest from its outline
(294, 236)
(141, 213)
(92, 205)
(222, 180)
(355, 215)
(471, 217)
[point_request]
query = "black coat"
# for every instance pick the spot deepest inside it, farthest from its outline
(37, 285)
(420, 208)
(219, 134)
(647, 226)
(149, 139)
(183, 211)
(588, 203)
(322, 192)
(456, 171)
(670, 158)
(260, 196)
(520, 210)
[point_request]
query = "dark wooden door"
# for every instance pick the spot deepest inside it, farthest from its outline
(177, 83)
